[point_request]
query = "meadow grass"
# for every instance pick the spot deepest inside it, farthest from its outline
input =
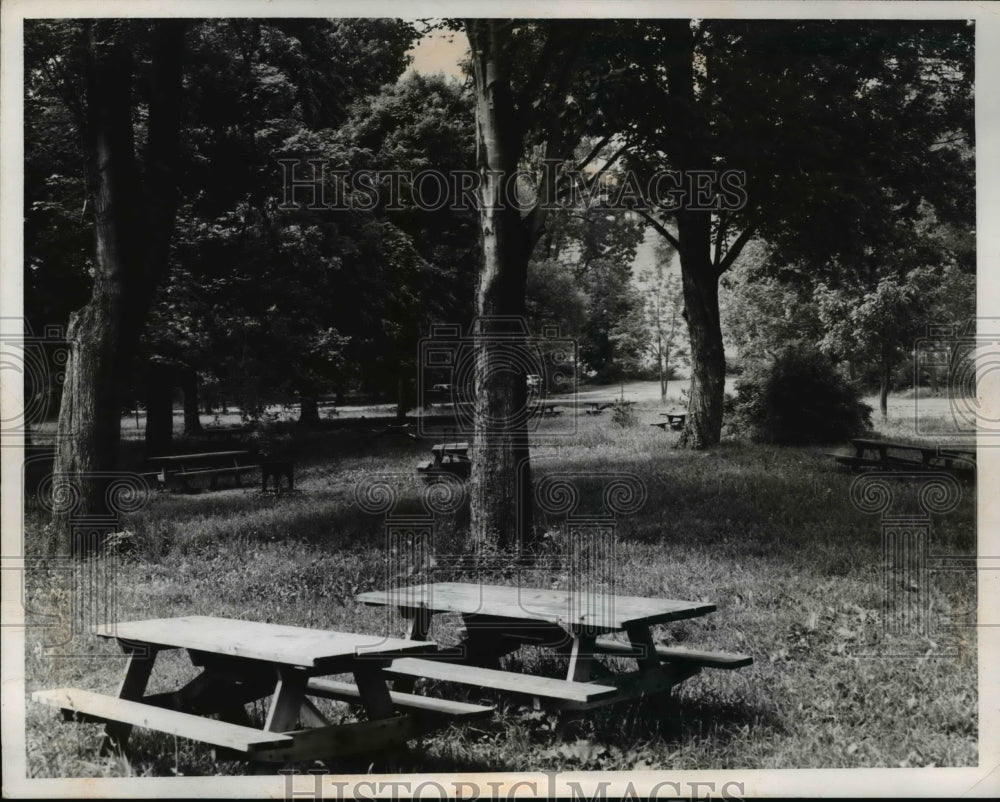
(766, 533)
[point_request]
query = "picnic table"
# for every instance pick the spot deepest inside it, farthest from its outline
(225, 432)
(596, 407)
(890, 455)
(211, 464)
(243, 661)
(448, 457)
(578, 625)
(545, 409)
(674, 420)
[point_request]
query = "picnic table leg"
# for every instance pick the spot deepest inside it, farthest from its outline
(417, 628)
(289, 694)
(641, 638)
(133, 686)
(375, 697)
(581, 665)
(286, 707)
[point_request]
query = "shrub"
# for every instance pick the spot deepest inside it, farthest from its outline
(623, 414)
(797, 399)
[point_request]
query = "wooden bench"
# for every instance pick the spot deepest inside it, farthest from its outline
(90, 706)
(523, 684)
(889, 455)
(348, 692)
(182, 468)
(677, 654)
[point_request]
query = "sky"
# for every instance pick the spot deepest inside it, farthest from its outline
(440, 51)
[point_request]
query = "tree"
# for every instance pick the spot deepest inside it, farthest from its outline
(840, 128)
(133, 218)
(521, 71)
(261, 91)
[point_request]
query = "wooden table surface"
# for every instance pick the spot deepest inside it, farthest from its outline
(275, 643)
(580, 610)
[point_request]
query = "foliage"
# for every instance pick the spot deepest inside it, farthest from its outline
(798, 398)
(623, 413)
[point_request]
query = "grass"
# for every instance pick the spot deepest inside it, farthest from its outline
(766, 533)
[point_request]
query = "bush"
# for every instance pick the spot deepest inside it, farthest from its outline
(798, 399)
(622, 414)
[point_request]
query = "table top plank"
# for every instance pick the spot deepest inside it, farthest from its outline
(576, 611)
(275, 643)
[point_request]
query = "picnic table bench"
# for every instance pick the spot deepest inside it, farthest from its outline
(182, 468)
(243, 661)
(448, 457)
(500, 619)
(226, 432)
(889, 455)
(674, 420)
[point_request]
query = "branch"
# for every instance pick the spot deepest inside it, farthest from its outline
(594, 151)
(660, 228)
(720, 237)
(617, 154)
(736, 247)
(537, 77)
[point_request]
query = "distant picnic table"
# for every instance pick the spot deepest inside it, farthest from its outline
(226, 432)
(674, 421)
(891, 455)
(546, 409)
(448, 458)
(182, 468)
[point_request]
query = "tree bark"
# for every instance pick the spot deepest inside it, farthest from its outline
(132, 232)
(189, 386)
(500, 483)
(308, 411)
(159, 409)
(699, 275)
(700, 282)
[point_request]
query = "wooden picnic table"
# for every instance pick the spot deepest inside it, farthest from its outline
(578, 625)
(448, 457)
(545, 409)
(674, 421)
(243, 661)
(227, 431)
(210, 464)
(891, 455)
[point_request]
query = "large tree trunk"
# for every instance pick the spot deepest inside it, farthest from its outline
(500, 484)
(308, 410)
(189, 386)
(700, 282)
(89, 421)
(699, 276)
(132, 235)
(159, 409)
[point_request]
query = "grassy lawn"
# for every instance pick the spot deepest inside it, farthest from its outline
(768, 534)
